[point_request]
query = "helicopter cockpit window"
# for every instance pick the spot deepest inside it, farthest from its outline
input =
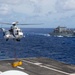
(15, 28)
(20, 31)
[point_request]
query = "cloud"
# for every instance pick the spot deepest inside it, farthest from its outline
(39, 10)
(4, 9)
(30, 7)
(70, 4)
(10, 2)
(65, 5)
(36, 7)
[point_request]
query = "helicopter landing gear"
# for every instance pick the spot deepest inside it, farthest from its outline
(17, 39)
(7, 39)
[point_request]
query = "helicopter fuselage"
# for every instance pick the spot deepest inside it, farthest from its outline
(14, 33)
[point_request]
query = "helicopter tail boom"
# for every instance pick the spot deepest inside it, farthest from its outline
(2, 29)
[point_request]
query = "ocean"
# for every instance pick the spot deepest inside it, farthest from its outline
(37, 43)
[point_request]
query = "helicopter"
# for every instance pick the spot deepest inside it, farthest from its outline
(14, 32)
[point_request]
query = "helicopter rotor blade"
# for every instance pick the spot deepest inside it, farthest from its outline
(20, 24)
(5, 23)
(30, 24)
(9, 23)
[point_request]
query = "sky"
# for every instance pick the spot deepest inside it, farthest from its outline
(47, 13)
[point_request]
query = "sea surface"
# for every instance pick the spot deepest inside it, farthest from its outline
(38, 43)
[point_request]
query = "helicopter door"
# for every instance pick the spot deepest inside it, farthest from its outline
(16, 32)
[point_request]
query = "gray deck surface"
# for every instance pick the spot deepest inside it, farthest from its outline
(39, 66)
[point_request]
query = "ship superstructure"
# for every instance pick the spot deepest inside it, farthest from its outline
(63, 31)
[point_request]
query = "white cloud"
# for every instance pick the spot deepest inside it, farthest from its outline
(47, 6)
(35, 1)
(30, 7)
(69, 4)
(4, 9)
(65, 5)
(10, 1)
(40, 10)
(35, 7)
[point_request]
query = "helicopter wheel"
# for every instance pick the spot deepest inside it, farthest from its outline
(7, 39)
(17, 39)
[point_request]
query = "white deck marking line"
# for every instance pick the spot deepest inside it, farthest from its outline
(37, 63)
(9, 63)
(51, 66)
(47, 67)
(20, 67)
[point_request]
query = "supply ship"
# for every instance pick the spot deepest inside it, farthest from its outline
(63, 32)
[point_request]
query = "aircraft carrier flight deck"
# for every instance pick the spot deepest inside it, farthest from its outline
(39, 66)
